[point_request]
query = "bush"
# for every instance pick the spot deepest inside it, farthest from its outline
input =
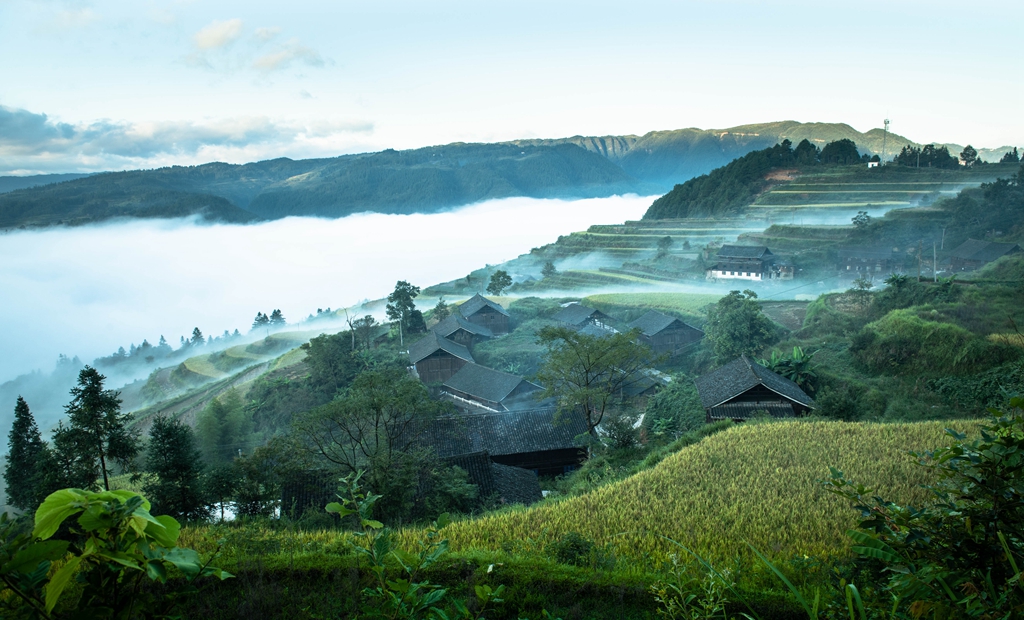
(573, 549)
(839, 403)
(675, 409)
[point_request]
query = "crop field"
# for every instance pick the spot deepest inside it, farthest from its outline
(756, 483)
(201, 365)
(684, 303)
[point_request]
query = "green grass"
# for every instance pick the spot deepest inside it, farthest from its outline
(683, 303)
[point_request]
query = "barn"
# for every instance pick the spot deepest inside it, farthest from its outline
(665, 334)
(436, 359)
(458, 329)
(476, 387)
(973, 254)
(482, 311)
(743, 389)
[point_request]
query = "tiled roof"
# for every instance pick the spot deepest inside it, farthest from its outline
(986, 251)
(476, 302)
(431, 343)
(745, 411)
(740, 375)
(577, 314)
(505, 433)
(654, 322)
(456, 321)
(867, 253)
(744, 251)
(513, 485)
(485, 383)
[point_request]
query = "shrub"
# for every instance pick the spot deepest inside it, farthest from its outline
(573, 549)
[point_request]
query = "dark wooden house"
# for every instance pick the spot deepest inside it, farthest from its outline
(973, 254)
(578, 316)
(482, 311)
(744, 262)
(459, 329)
(743, 389)
(481, 388)
(437, 359)
(857, 261)
(665, 334)
(529, 439)
(510, 485)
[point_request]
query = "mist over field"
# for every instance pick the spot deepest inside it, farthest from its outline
(86, 291)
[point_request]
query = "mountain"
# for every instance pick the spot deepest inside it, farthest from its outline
(418, 180)
(9, 184)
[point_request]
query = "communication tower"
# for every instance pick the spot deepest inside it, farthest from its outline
(885, 134)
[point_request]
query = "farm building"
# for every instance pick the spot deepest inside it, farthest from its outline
(530, 439)
(665, 334)
(860, 260)
(744, 262)
(482, 311)
(511, 485)
(743, 389)
(578, 316)
(437, 359)
(973, 254)
(458, 329)
(477, 387)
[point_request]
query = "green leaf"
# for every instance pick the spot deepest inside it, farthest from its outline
(372, 523)
(811, 614)
(57, 506)
(30, 557)
(872, 547)
(96, 517)
(156, 571)
(186, 560)
(165, 531)
(335, 507)
(60, 581)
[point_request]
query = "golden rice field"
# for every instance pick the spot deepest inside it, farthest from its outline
(758, 483)
(687, 303)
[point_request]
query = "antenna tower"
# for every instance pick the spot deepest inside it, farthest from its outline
(885, 134)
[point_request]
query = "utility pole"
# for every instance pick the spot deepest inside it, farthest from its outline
(942, 244)
(920, 249)
(935, 264)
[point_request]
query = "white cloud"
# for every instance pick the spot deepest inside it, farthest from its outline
(265, 34)
(282, 58)
(218, 34)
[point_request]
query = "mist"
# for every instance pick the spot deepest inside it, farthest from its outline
(86, 291)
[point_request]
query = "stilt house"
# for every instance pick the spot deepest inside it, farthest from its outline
(743, 389)
(973, 254)
(665, 334)
(743, 262)
(479, 388)
(859, 261)
(437, 359)
(482, 311)
(458, 329)
(578, 316)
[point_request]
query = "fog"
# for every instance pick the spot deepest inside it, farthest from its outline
(86, 291)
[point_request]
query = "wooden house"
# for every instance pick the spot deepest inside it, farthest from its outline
(665, 334)
(529, 439)
(459, 329)
(743, 262)
(858, 261)
(436, 359)
(577, 316)
(743, 389)
(973, 254)
(476, 387)
(482, 311)
(511, 485)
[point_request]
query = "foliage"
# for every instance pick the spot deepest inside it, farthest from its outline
(548, 270)
(25, 565)
(332, 364)
(574, 549)
(25, 448)
(958, 554)
(441, 311)
(588, 373)
(172, 456)
(1010, 157)
(401, 306)
(839, 403)
(691, 593)
(982, 390)
(796, 367)
(969, 156)
(500, 280)
(842, 152)
(256, 487)
(223, 426)
(737, 326)
(927, 156)
(675, 409)
(861, 220)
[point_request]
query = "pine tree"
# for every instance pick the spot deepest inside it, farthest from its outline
(276, 318)
(178, 466)
(24, 448)
(99, 433)
(221, 426)
(197, 338)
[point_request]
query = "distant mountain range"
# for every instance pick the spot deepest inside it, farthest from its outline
(419, 180)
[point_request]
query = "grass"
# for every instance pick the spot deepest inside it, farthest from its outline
(683, 303)
(755, 483)
(201, 365)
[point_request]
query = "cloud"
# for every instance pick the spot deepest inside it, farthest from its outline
(282, 58)
(35, 142)
(265, 34)
(70, 19)
(218, 34)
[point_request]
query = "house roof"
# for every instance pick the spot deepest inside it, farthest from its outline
(432, 343)
(456, 321)
(533, 430)
(577, 314)
(654, 322)
(986, 251)
(475, 303)
(744, 251)
(867, 253)
(485, 383)
(599, 332)
(512, 484)
(741, 374)
(745, 411)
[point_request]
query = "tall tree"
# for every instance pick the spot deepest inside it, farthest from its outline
(401, 304)
(100, 433)
(843, 152)
(222, 425)
(25, 448)
(260, 321)
(277, 319)
(588, 373)
(549, 269)
(969, 155)
(442, 310)
(737, 326)
(1010, 157)
(500, 280)
(197, 338)
(178, 466)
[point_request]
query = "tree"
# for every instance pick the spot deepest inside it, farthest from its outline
(843, 152)
(178, 466)
(25, 447)
(364, 330)
(861, 220)
(588, 373)
(969, 156)
(99, 433)
(737, 326)
(664, 245)
(222, 425)
(219, 483)
(401, 305)
(331, 362)
(548, 270)
(277, 319)
(806, 153)
(1010, 157)
(442, 310)
(500, 280)
(261, 320)
(197, 338)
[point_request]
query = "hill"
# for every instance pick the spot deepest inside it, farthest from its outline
(9, 184)
(758, 483)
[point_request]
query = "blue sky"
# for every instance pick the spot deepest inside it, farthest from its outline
(113, 85)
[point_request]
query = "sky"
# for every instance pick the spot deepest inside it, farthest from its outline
(88, 86)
